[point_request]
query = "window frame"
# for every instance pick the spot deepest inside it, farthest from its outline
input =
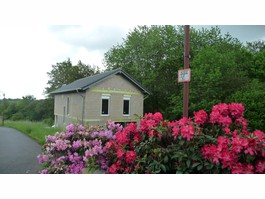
(105, 97)
(126, 98)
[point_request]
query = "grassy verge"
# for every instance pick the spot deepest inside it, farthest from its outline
(35, 130)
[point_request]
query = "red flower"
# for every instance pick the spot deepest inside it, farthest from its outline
(137, 138)
(120, 153)
(225, 121)
(130, 157)
(112, 169)
(260, 166)
(122, 138)
(236, 109)
(187, 132)
(200, 117)
(131, 128)
(158, 117)
(175, 132)
(259, 134)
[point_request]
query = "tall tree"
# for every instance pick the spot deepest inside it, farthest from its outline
(65, 72)
(152, 55)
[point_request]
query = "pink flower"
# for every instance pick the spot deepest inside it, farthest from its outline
(175, 132)
(260, 166)
(210, 152)
(113, 169)
(122, 138)
(77, 144)
(120, 153)
(187, 132)
(130, 157)
(200, 117)
(225, 121)
(131, 128)
(236, 109)
(158, 117)
(259, 134)
(137, 138)
(71, 128)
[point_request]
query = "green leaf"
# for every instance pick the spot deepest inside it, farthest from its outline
(188, 163)
(195, 164)
(166, 159)
(179, 172)
(163, 167)
(181, 142)
(199, 167)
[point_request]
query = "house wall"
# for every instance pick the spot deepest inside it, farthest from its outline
(75, 109)
(116, 87)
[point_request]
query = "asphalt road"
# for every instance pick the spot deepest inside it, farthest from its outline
(18, 153)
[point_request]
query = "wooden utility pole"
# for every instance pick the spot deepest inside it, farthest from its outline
(186, 66)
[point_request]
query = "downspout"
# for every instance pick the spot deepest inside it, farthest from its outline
(83, 105)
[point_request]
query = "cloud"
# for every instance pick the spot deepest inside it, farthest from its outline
(99, 38)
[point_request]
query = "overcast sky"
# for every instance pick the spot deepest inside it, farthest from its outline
(28, 52)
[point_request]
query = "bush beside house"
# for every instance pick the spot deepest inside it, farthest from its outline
(218, 142)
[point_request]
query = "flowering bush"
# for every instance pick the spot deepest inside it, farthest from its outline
(218, 142)
(77, 148)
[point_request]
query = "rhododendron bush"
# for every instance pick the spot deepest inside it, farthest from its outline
(218, 142)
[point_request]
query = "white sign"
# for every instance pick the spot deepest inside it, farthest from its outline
(184, 75)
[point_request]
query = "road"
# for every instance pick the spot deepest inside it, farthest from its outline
(18, 153)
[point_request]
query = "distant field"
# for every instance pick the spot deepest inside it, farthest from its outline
(35, 130)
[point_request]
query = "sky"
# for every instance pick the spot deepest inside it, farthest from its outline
(34, 35)
(29, 51)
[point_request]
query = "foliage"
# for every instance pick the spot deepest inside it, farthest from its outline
(252, 97)
(65, 72)
(219, 142)
(28, 108)
(220, 66)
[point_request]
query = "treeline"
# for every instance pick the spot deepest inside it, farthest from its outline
(222, 69)
(28, 108)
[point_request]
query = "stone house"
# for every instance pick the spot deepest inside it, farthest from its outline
(112, 95)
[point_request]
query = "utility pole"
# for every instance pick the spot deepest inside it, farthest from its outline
(186, 66)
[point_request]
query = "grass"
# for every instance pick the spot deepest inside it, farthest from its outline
(35, 130)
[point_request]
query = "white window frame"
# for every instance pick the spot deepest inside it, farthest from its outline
(127, 98)
(105, 96)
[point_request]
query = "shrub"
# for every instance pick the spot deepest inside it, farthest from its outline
(218, 142)
(76, 148)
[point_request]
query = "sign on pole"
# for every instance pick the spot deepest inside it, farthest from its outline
(184, 75)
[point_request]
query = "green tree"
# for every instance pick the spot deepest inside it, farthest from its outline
(252, 96)
(65, 72)
(152, 55)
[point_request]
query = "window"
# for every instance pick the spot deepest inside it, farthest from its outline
(126, 105)
(105, 105)
(67, 105)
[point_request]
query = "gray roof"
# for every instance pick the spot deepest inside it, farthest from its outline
(88, 82)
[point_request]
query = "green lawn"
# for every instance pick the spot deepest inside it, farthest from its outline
(35, 130)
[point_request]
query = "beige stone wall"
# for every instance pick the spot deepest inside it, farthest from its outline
(75, 109)
(116, 87)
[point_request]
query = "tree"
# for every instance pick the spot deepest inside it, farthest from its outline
(151, 55)
(252, 96)
(154, 54)
(65, 73)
